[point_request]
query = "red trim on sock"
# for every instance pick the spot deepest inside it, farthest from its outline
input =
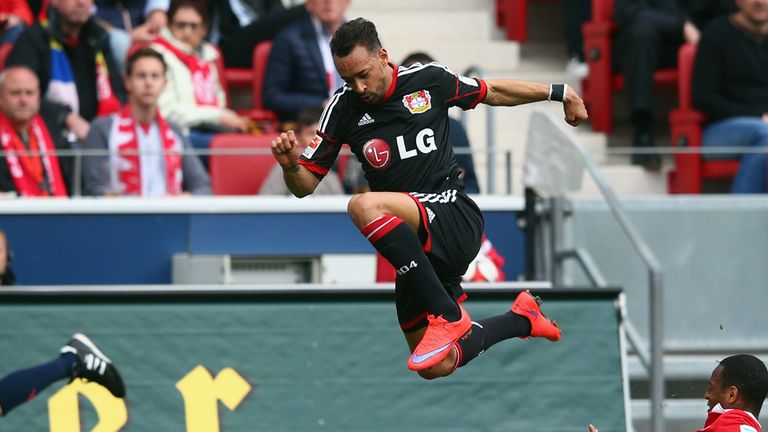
(32, 394)
(413, 322)
(462, 298)
(380, 227)
(459, 355)
(427, 246)
(410, 324)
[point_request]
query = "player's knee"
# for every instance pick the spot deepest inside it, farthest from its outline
(361, 206)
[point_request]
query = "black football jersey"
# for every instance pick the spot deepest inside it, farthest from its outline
(402, 142)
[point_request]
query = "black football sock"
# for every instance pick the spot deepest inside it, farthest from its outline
(23, 385)
(490, 331)
(399, 244)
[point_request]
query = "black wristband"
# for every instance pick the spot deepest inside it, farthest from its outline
(557, 92)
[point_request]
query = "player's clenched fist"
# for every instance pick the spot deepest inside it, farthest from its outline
(286, 149)
(575, 111)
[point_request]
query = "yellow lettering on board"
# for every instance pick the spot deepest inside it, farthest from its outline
(201, 393)
(64, 409)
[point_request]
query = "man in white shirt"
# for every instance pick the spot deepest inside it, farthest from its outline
(147, 156)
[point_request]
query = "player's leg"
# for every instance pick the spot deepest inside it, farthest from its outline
(79, 358)
(524, 319)
(24, 384)
(413, 319)
(390, 221)
(455, 230)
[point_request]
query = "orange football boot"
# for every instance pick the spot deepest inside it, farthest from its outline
(529, 306)
(440, 336)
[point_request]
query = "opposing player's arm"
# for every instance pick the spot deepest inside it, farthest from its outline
(286, 150)
(504, 92)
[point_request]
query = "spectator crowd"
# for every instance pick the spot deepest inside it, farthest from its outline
(66, 85)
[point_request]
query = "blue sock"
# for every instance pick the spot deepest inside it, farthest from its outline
(23, 385)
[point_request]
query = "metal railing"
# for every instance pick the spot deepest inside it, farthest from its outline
(652, 359)
(490, 125)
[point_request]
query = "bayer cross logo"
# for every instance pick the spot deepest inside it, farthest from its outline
(377, 153)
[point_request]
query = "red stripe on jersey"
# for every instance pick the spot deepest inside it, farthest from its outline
(325, 136)
(380, 227)
(481, 92)
(427, 246)
(313, 167)
(392, 86)
(413, 322)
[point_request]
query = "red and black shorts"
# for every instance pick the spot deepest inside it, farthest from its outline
(450, 231)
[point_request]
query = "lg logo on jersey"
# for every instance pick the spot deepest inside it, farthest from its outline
(378, 154)
(425, 143)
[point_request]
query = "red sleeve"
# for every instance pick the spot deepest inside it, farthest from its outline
(20, 8)
(464, 92)
(734, 421)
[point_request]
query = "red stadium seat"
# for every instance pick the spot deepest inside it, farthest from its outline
(685, 125)
(601, 82)
(240, 174)
(260, 60)
(5, 49)
(384, 270)
(512, 16)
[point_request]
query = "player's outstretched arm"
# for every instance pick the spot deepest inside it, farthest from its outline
(286, 150)
(502, 92)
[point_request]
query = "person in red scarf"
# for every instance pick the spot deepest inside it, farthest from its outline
(146, 154)
(735, 395)
(14, 16)
(30, 166)
(194, 97)
(71, 56)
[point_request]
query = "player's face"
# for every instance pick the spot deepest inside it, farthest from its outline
(366, 72)
(755, 10)
(716, 393)
(146, 81)
(20, 95)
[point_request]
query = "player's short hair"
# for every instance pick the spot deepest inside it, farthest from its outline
(142, 53)
(417, 57)
(309, 116)
(748, 374)
(359, 31)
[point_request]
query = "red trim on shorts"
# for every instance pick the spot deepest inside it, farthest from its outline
(427, 246)
(380, 227)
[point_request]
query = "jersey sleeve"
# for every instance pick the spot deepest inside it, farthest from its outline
(458, 90)
(319, 156)
(733, 421)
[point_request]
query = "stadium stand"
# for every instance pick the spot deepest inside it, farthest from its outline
(601, 83)
(685, 125)
(512, 16)
(5, 49)
(240, 174)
